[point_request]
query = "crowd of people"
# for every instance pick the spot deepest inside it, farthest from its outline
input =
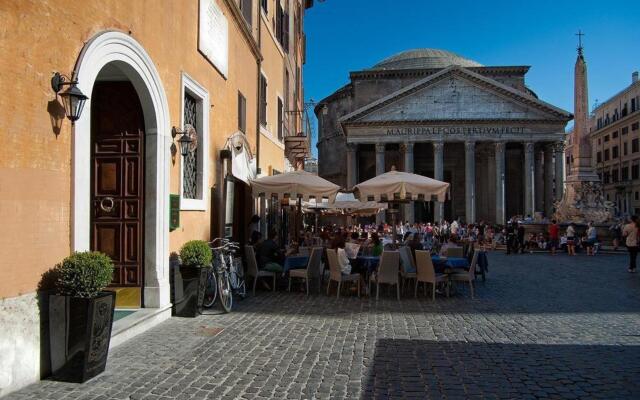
(371, 239)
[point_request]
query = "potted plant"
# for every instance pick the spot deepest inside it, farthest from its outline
(195, 257)
(81, 316)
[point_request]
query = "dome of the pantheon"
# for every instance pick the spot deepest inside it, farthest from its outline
(424, 59)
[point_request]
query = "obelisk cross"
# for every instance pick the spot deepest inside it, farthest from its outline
(580, 35)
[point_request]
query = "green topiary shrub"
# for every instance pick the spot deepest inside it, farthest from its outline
(84, 274)
(195, 252)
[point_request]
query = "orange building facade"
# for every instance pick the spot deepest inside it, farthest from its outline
(149, 68)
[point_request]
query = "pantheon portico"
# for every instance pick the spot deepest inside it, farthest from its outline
(434, 113)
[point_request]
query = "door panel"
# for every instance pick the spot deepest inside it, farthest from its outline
(117, 126)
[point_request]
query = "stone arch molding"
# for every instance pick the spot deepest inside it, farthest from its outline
(117, 47)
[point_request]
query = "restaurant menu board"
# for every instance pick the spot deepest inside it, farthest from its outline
(174, 212)
(213, 35)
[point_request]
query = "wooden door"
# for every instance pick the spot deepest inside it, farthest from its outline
(117, 194)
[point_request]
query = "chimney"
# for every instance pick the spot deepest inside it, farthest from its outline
(634, 77)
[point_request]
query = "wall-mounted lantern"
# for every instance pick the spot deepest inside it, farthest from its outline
(73, 99)
(188, 142)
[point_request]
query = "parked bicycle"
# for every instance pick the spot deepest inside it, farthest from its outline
(226, 278)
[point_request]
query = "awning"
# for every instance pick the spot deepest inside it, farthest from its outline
(243, 164)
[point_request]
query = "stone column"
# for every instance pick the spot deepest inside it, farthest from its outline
(470, 181)
(559, 169)
(539, 180)
(500, 204)
(529, 181)
(352, 165)
(438, 174)
(380, 148)
(407, 149)
(548, 181)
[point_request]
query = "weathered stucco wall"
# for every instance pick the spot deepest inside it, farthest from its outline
(40, 37)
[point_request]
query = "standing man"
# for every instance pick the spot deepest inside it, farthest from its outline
(630, 232)
(554, 236)
(511, 236)
(521, 243)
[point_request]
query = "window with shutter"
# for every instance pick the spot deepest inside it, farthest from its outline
(280, 120)
(263, 100)
(246, 7)
(264, 5)
(285, 31)
(242, 113)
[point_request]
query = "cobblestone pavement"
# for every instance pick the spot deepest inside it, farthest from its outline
(539, 327)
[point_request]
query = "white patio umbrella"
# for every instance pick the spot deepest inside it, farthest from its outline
(296, 184)
(300, 185)
(400, 186)
(397, 187)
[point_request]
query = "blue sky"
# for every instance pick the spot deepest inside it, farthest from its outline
(348, 35)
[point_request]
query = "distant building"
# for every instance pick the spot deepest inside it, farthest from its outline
(615, 142)
(434, 113)
(311, 165)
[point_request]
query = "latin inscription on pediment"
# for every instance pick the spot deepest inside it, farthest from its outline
(453, 98)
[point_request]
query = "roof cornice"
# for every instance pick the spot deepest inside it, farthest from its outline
(520, 121)
(392, 73)
(494, 85)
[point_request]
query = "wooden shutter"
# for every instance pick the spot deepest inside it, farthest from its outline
(280, 121)
(246, 7)
(263, 100)
(285, 31)
(242, 113)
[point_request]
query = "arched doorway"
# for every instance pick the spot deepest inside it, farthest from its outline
(114, 59)
(117, 181)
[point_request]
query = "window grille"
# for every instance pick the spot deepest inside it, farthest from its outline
(190, 162)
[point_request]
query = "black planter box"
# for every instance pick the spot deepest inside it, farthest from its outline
(80, 333)
(194, 280)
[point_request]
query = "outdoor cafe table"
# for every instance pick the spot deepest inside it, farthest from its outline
(439, 263)
(295, 262)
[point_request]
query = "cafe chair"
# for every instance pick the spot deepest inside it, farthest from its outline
(253, 271)
(387, 272)
(469, 275)
(427, 274)
(335, 274)
(313, 270)
(407, 265)
(456, 252)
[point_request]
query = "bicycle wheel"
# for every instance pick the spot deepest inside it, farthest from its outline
(224, 288)
(211, 290)
(241, 289)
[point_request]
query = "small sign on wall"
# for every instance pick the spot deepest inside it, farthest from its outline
(174, 212)
(213, 35)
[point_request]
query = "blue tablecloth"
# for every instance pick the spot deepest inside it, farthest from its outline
(439, 263)
(295, 262)
(370, 262)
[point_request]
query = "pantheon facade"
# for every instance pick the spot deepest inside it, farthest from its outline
(437, 114)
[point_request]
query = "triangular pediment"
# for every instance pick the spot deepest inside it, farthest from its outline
(456, 94)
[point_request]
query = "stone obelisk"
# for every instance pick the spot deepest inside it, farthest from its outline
(583, 199)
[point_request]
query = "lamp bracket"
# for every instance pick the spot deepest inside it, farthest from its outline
(59, 80)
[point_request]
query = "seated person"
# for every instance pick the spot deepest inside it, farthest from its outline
(376, 249)
(449, 242)
(542, 242)
(270, 256)
(343, 260)
(352, 249)
(415, 244)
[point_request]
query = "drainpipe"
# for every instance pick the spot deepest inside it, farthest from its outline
(259, 64)
(261, 200)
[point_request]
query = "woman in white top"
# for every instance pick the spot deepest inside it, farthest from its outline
(343, 260)
(571, 240)
(630, 233)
